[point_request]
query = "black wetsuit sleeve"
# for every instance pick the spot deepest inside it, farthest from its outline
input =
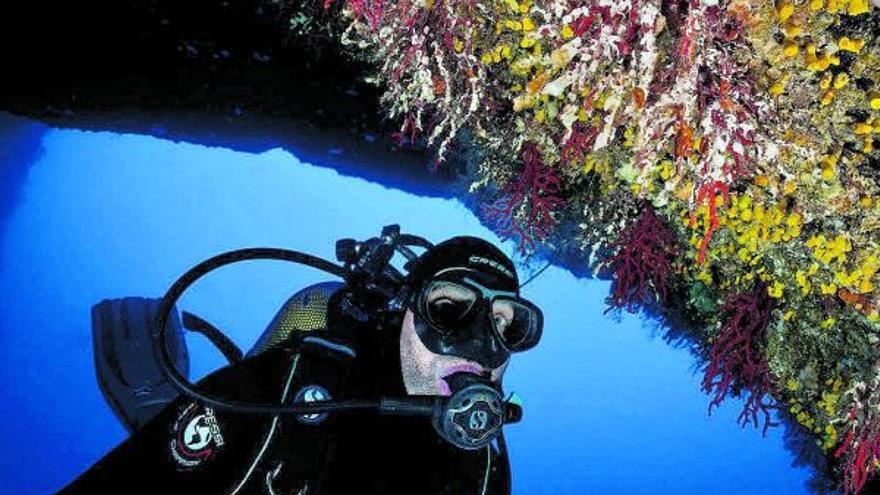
(190, 448)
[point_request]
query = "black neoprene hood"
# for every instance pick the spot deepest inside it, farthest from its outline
(467, 252)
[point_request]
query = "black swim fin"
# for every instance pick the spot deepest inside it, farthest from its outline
(125, 362)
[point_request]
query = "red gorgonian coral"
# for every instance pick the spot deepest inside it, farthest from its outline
(369, 10)
(861, 451)
(737, 362)
(642, 259)
(860, 448)
(578, 144)
(525, 210)
(708, 193)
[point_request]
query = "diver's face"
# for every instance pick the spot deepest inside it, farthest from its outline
(424, 371)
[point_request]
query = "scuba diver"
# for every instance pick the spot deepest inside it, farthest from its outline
(386, 383)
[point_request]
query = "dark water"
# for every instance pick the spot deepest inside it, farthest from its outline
(87, 216)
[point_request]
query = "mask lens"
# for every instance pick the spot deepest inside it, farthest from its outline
(518, 322)
(447, 304)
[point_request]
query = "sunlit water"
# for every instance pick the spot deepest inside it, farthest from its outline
(608, 408)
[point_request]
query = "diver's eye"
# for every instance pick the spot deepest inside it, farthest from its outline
(502, 315)
(446, 304)
(446, 310)
(500, 322)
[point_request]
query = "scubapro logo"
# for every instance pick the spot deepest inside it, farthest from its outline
(311, 393)
(195, 436)
(478, 420)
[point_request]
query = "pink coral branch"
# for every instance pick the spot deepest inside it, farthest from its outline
(578, 144)
(537, 193)
(644, 251)
(371, 10)
(408, 132)
(708, 192)
(861, 447)
(736, 359)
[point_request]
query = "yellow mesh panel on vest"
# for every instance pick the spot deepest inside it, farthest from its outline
(305, 311)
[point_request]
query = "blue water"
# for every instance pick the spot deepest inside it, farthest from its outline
(608, 408)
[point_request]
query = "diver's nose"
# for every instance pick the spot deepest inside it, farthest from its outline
(492, 352)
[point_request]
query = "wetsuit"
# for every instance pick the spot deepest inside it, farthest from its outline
(189, 448)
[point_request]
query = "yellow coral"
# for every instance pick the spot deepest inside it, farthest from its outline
(851, 45)
(776, 289)
(784, 10)
(857, 7)
(863, 128)
(827, 98)
(777, 88)
(567, 32)
(792, 30)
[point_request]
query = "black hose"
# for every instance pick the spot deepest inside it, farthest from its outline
(414, 240)
(409, 405)
(226, 346)
(185, 387)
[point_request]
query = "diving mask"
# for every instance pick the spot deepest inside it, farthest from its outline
(459, 313)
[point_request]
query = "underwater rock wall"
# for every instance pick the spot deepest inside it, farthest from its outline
(716, 159)
(719, 159)
(238, 74)
(229, 58)
(20, 145)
